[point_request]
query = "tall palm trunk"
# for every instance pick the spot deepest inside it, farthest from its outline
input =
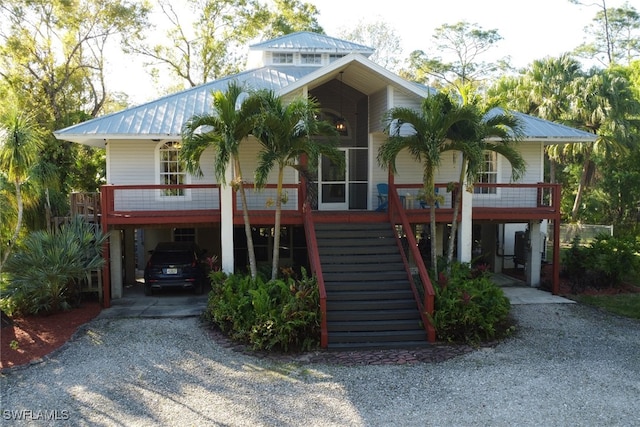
(434, 246)
(276, 231)
(247, 225)
(431, 200)
(581, 186)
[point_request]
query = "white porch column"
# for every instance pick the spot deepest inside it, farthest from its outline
(115, 255)
(226, 222)
(534, 256)
(465, 228)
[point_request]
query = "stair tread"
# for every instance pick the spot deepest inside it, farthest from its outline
(370, 303)
(376, 294)
(378, 345)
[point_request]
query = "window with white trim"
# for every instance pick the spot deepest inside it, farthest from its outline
(171, 171)
(488, 173)
(311, 58)
(282, 58)
(335, 56)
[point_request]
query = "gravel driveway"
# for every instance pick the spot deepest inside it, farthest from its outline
(568, 365)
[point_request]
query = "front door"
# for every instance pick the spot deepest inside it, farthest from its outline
(332, 184)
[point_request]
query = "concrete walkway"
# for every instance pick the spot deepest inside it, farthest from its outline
(519, 293)
(165, 304)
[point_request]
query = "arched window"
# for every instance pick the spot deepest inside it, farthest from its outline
(171, 171)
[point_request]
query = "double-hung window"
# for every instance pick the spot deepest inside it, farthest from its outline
(171, 171)
(488, 174)
(282, 58)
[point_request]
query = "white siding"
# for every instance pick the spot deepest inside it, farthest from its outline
(406, 99)
(532, 152)
(133, 162)
(261, 199)
(377, 108)
(409, 171)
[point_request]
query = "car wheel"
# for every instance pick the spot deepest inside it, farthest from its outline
(147, 290)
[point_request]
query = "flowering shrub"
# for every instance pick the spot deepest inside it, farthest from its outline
(469, 307)
(282, 314)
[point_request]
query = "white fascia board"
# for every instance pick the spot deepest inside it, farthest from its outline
(342, 63)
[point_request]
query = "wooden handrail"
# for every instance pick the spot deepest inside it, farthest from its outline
(316, 269)
(428, 304)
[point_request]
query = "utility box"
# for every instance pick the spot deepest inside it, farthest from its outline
(520, 248)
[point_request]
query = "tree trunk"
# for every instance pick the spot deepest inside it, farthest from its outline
(247, 225)
(16, 231)
(581, 186)
(276, 231)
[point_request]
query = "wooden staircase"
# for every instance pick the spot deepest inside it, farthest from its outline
(370, 303)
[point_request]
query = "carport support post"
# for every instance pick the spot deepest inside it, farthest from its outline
(534, 257)
(465, 228)
(115, 253)
(226, 223)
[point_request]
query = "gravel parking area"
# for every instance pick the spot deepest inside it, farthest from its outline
(567, 365)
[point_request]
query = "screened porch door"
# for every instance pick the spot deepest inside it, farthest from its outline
(343, 187)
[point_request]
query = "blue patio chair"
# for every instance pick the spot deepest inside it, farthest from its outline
(425, 205)
(383, 197)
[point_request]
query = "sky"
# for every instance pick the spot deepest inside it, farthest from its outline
(530, 29)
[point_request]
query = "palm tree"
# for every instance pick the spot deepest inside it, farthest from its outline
(544, 90)
(425, 134)
(493, 130)
(286, 134)
(230, 123)
(20, 144)
(604, 104)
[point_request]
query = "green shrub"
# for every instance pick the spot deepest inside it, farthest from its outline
(44, 272)
(469, 307)
(280, 314)
(605, 262)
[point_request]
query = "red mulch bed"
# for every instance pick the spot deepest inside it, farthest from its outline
(37, 336)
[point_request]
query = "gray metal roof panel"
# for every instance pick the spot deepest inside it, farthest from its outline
(166, 115)
(308, 41)
(535, 128)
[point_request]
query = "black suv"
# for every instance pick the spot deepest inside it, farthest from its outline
(177, 265)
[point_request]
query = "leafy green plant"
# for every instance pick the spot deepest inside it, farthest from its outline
(603, 263)
(469, 307)
(280, 314)
(44, 273)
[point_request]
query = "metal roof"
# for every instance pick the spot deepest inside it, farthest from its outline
(165, 116)
(537, 129)
(311, 42)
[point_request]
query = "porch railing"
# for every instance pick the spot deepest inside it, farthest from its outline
(397, 215)
(201, 202)
(154, 203)
(261, 199)
(540, 195)
(316, 268)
